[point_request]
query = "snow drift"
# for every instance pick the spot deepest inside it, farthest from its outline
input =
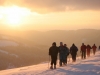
(90, 66)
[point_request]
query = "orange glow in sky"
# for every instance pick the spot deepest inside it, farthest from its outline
(34, 15)
(13, 15)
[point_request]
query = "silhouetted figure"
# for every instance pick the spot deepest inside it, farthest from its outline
(99, 47)
(67, 53)
(73, 51)
(53, 52)
(94, 47)
(83, 51)
(88, 50)
(62, 54)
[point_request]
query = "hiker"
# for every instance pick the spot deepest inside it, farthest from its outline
(73, 51)
(67, 53)
(88, 50)
(53, 52)
(62, 54)
(83, 51)
(99, 47)
(94, 48)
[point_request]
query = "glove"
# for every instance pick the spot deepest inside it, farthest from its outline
(67, 54)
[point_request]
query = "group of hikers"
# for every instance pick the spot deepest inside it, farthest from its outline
(87, 49)
(64, 52)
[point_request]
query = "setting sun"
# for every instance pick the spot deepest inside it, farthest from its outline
(13, 19)
(14, 15)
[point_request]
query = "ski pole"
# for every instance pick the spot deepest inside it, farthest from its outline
(49, 62)
(77, 57)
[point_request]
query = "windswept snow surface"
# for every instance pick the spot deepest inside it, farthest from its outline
(4, 37)
(5, 52)
(90, 66)
(4, 43)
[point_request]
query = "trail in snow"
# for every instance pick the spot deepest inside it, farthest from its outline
(90, 66)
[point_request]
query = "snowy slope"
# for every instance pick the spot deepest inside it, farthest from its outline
(90, 66)
(4, 43)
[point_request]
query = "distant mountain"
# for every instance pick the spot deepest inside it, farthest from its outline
(23, 48)
(87, 36)
(18, 52)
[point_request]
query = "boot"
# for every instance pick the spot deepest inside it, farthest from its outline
(54, 66)
(51, 67)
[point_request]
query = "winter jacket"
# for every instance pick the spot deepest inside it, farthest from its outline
(53, 51)
(83, 48)
(94, 47)
(88, 47)
(62, 52)
(73, 50)
(67, 50)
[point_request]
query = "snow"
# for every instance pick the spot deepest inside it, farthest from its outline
(10, 66)
(89, 66)
(5, 52)
(4, 43)
(14, 55)
(5, 37)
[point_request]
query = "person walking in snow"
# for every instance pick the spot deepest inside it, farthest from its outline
(88, 50)
(67, 52)
(99, 47)
(94, 47)
(62, 54)
(83, 51)
(53, 52)
(73, 51)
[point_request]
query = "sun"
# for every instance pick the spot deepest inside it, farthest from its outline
(14, 15)
(13, 19)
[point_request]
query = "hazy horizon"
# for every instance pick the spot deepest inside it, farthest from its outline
(44, 30)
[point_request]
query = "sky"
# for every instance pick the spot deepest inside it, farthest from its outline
(49, 14)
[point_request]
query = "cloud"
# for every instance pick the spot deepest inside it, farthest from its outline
(58, 5)
(2, 2)
(61, 5)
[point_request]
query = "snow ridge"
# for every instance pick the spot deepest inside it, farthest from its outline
(89, 66)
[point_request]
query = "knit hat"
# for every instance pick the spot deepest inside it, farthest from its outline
(61, 42)
(54, 43)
